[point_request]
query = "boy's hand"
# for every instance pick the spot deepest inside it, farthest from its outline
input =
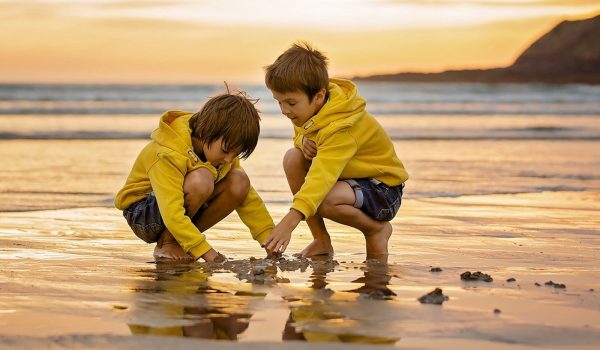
(279, 239)
(309, 148)
(213, 255)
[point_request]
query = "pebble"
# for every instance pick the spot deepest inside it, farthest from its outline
(434, 297)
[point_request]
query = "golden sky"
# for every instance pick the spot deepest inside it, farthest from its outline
(202, 41)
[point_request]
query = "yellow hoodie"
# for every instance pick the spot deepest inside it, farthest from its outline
(350, 144)
(161, 167)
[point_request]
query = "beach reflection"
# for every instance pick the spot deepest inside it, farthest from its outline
(180, 300)
(375, 280)
(320, 316)
(191, 300)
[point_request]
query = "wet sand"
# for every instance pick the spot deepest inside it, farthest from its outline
(77, 278)
(74, 276)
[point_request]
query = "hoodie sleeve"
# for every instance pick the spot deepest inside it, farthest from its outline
(254, 214)
(167, 179)
(297, 138)
(333, 153)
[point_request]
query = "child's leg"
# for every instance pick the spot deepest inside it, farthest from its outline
(296, 168)
(198, 186)
(339, 207)
(228, 194)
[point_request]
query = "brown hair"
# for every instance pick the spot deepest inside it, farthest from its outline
(299, 68)
(231, 116)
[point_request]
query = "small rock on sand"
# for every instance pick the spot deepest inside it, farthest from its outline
(436, 269)
(497, 311)
(434, 297)
(512, 279)
(476, 276)
(555, 285)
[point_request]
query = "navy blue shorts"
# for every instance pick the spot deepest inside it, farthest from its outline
(145, 220)
(376, 199)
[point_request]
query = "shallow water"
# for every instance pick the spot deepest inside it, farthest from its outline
(526, 209)
(49, 174)
(81, 271)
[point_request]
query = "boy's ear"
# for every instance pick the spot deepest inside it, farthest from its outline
(320, 96)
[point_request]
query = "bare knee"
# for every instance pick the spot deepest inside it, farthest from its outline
(294, 161)
(198, 186)
(238, 184)
(341, 195)
(327, 207)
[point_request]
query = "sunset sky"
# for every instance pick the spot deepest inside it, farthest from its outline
(203, 41)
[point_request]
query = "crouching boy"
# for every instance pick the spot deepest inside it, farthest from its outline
(343, 165)
(188, 178)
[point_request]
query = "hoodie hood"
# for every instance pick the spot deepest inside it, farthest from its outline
(174, 132)
(343, 108)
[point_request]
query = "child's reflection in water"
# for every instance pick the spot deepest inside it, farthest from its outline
(182, 301)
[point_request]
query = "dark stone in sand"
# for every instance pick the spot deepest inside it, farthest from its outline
(435, 269)
(434, 297)
(497, 311)
(476, 276)
(537, 284)
(555, 285)
(591, 289)
(242, 293)
(512, 279)
(264, 271)
(291, 298)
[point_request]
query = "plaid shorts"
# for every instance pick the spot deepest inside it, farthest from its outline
(376, 199)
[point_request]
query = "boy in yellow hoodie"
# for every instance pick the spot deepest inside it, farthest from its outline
(343, 165)
(188, 178)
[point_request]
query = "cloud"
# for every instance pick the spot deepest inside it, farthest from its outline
(338, 15)
(503, 3)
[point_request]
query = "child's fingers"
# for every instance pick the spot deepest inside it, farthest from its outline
(307, 155)
(273, 246)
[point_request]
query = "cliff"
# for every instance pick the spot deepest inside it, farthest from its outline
(569, 53)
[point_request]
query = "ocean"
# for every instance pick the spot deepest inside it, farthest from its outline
(73, 145)
(504, 179)
(409, 111)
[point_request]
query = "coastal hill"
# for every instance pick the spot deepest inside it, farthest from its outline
(569, 53)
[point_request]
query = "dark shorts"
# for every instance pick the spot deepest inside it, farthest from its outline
(145, 220)
(376, 199)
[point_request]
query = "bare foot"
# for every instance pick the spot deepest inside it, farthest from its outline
(316, 247)
(377, 242)
(167, 248)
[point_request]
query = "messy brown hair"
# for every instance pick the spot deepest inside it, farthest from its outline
(299, 68)
(231, 116)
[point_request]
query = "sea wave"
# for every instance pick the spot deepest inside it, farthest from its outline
(383, 99)
(525, 134)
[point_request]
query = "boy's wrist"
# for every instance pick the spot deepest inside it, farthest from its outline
(210, 255)
(293, 217)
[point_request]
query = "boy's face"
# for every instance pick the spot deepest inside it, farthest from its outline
(297, 106)
(216, 153)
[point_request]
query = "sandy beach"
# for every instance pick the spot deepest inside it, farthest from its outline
(493, 108)
(74, 276)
